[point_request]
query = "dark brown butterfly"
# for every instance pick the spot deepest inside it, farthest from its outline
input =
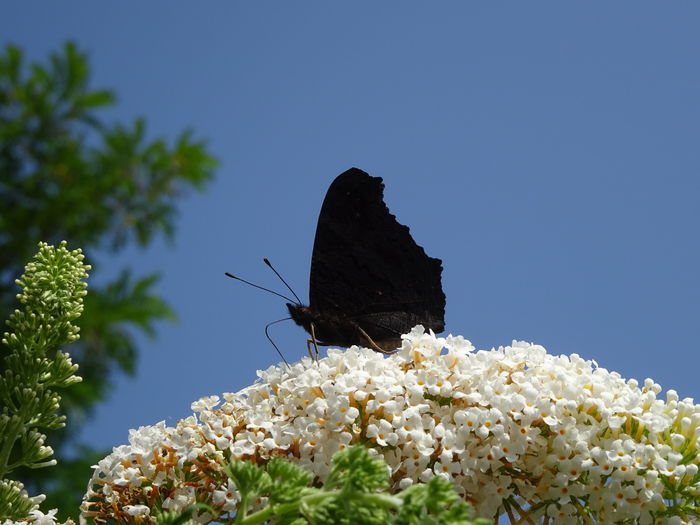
(370, 282)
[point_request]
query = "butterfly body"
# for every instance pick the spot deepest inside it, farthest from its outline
(370, 282)
(380, 331)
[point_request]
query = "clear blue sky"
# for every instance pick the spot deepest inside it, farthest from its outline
(546, 151)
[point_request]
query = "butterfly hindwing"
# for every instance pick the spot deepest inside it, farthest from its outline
(367, 268)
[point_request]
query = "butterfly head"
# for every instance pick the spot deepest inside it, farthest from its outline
(301, 315)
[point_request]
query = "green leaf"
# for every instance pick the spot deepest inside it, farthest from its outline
(251, 480)
(95, 99)
(355, 470)
(287, 480)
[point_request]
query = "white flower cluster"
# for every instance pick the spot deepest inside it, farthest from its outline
(519, 432)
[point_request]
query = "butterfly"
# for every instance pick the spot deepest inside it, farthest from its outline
(369, 282)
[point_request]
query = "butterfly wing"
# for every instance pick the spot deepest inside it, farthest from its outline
(366, 266)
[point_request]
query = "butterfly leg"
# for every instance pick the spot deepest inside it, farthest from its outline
(374, 346)
(312, 341)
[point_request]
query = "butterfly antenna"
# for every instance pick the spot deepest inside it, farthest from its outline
(261, 287)
(273, 343)
(266, 261)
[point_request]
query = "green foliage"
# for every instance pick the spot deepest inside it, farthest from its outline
(432, 503)
(67, 173)
(180, 518)
(92, 181)
(52, 299)
(356, 492)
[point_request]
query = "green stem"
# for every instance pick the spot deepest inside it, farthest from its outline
(12, 433)
(242, 508)
(265, 514)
